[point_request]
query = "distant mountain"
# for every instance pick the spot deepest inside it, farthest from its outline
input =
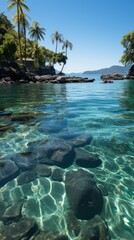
(113, 69)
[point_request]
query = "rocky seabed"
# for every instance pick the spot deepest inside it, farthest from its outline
(67, 203)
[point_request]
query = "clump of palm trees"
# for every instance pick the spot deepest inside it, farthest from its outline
(58, 38)
(36, 33)
(20, 18)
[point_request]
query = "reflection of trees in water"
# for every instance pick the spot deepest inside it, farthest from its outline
(127, 99)
(30, 95)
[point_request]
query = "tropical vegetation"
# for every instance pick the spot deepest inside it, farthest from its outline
(128, 44)
(56, 37)
(14, 45)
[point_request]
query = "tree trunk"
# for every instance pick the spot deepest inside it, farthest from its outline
(56, 46)
(19, 37)
(62, 67)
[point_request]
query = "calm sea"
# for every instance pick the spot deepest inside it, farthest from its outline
(106, 111)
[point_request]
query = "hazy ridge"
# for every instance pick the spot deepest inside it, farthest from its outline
(113, 69)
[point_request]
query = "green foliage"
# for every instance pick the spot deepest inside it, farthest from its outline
(14, 45)
(66, 45)
(57, 37)
(128, 44)
(36, 32)
(61, 58)
(9, 47)
(8, 44)
(5, 23)
(19, 5)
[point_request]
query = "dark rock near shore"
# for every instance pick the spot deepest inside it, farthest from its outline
(9, 74)
(84, 197)
(130, 74)
(12, 73)
(113, 76)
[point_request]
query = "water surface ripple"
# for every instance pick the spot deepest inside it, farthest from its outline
(106, 111)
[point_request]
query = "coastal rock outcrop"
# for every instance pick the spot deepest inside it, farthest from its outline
(113, 76)
(14, 74)
(130, 74)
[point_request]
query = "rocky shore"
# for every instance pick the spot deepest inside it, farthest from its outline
(108, 78)
(10, 75)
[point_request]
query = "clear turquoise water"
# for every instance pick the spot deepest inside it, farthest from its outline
(104, 110)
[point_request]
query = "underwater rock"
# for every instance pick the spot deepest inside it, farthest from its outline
(102, 188)
(5, 113)
(85, 159)
(57, 175)
(4, 128)
(43, 170)
(26, 177)
(84, 196)
(39, 170)
(13, 213)
(50, 236)
(8, 171)
(20, 230)
(22, 117)
(54, 152)
(52, 126)
(73, 224)
(81, 140)
(24, 160)
(2, 208)
(96, 228)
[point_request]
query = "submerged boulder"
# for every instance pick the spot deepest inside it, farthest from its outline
(39, 170)
(84, 196)
(86, 159)
(50, 236)
(95, 228)
(13, 213)
(8, 171)
(54, 152)
(80, 140)
(19, 230)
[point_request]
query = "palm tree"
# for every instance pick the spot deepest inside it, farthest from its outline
(19, 5)
(23, 25)
(66, 45)
(56, 37)
(36, 32)
(35, 53)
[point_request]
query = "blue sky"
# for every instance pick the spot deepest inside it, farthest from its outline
(95, 28)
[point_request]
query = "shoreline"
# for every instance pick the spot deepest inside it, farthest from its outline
(12, 75)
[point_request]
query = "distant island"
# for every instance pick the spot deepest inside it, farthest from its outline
(113, 69)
